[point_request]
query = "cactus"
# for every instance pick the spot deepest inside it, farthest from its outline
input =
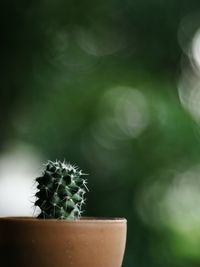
(61, 191)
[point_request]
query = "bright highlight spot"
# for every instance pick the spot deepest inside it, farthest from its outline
(18, 169)
(195, 48)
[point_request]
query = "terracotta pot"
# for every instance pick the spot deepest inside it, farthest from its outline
(89, 242)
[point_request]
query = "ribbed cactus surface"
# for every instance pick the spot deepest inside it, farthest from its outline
(61, 191)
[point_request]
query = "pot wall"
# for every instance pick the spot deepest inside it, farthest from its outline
(83, 243)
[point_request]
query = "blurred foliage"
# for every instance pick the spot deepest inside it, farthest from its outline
(95, 82)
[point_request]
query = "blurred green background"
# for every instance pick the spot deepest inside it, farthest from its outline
(113, 86)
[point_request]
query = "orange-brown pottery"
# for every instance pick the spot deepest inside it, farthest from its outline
(88, 242)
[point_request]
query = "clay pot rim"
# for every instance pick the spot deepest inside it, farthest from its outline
(79, 221)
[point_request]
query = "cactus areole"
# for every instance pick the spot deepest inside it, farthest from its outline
(61, 191)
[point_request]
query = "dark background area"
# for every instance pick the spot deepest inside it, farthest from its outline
(114, 87)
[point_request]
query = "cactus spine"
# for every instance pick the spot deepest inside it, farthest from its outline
(61, 191)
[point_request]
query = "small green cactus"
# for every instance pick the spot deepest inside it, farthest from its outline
(61, 191)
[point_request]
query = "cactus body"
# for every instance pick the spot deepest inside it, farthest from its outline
(61, 191)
